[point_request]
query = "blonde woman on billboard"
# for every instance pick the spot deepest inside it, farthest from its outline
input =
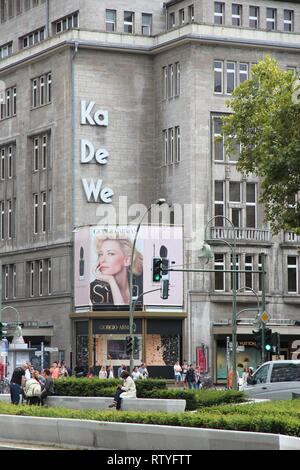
(111, 284)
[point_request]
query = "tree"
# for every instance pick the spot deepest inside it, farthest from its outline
(266, 123)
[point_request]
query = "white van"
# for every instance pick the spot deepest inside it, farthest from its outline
(275, 380)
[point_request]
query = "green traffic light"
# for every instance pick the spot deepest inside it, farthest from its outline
(268, 347)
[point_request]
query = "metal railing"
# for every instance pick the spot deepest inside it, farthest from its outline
(240, 233)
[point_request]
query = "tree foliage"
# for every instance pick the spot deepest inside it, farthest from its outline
(266, 122)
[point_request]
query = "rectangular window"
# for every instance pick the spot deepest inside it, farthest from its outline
(234, 268)
(271, 19)
(171, 81)
(292, 265)
(177, 79)
(251, 205)
(181, 16)
(41, 277)
(14, 281)
(146, 24)
(6, 50)
(234, 191)
(34, 93)
(230, 77)
(165, 82)
(10, 163)
(32, 276)
(219, 13)
(171, 21)
(32, 38)
(18, 7)
(243, 72)
(165, 133)
(191, 10)
(42, 90)
(44, 212)
(249, 275)
(35, 213)
(66, 23)
(35, 154)
(9, 219)
(219, 203)
(128, 22)
(2, 220)
(2, 168)
(218, 76)
(2, 106)
(8, 103)
(177, 145)
(253, 17)
(6, 282)
(218, 143)
(171, 145)
(14, 108)
(288, 21)
(49, 277)
(219, 265)
(236, 14)
(111, 20)
(10, 8)
(49, 87)
(44, 152)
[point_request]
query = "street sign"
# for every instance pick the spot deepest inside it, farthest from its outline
(50, 349)
(264, 316)
(38, 353)
(240, 348)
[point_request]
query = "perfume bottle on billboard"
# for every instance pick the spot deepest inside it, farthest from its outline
(81, 264)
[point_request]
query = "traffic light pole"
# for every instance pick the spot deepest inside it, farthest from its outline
(263, 306)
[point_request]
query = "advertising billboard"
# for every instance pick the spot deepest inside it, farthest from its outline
(103, 263)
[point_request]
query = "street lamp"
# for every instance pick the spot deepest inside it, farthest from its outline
(206, 252)
(158, 202)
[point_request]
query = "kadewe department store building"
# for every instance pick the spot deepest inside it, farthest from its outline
(101, 318)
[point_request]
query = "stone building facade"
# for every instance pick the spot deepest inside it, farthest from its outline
(164, 74)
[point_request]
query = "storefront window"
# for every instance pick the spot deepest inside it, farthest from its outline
(249, 357)
(116, 350)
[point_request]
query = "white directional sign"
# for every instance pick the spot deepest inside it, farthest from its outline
(50, 349)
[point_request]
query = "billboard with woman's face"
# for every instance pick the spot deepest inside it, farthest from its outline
(103, 264)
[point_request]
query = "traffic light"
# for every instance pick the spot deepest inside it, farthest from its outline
(257, 337)
(276, 343)
(268, 339)
(3, 330)
(164, 289)
(136, 344)
(156, 269)
(129, 346)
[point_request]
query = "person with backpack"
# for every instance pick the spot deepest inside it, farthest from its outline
(33, 390)
(191, 377)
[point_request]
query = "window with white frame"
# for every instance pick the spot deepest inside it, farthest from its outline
(6, 282)
(35, 213)
(41, 90)
(253, 17)
(2, 220)
(6, 50)
(218, 140)
(236, 14)
(177, 145)
(32, 279)
(111, 20)
(218, 76)
(230, 77)
(171, 145)
(36, 154)
(251, 205)
(2, 167)
(10, 162)
(177, 79)
(14, 281)
(271, 19)
(249, 273)
(171, 81)
(146, 24)
(9, 219)
(181, 16)
(235, 203)
(288, 21)
(191, 12)
(32, 38)
(41, 278)
(49, 267)
(234, 266)
(44, 141)
(66, 23)
(165, 135)
(165, 82)
(219, 13)
(128, 22)
(243, 72)
(44, 211)
(171, 20)
(7, 165)
(219, 203)
(8, 103)
(219, 266)
(292, 274)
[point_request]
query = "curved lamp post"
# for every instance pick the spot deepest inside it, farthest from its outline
(18, 327)
(158, 202)
(207, 253)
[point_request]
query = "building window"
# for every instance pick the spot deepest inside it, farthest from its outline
(177, 145)
(171, 21)
(9, 219)
(181, 16)
(44, 212)
(10, 163)
(2, 220)
(18, 7)
(243, 72)
(66, 23)
(236, 14)
(271, 19)
(8, 103)
(41, 277)
(292, 266)
(170, 145)
(165, 82)
(35, 213)
(191, 11)
(6, 50)
(14, 281)
(219, 203)
(249, 275)
(32, 276)
(32, 38)
(111, 20)
(26, 4)
(41, 90)
(44, 151)
(218, 76)
(219, 13)
(230, 77)
(128, 22)
(165, 134)
(177, 79)
(288, 21)
(251, 205)
(234, 202)
(10, 8)
(253, 17)
(146, 24)
(170, 81)
(49, 277)
(234, 268)
(6, 282)
(218, 144)
(2, 168)
(35, 154)
(219, 266)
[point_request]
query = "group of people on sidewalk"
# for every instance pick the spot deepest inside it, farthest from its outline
(33, 386)
(187, 375)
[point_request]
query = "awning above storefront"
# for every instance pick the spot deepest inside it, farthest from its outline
(247, 329)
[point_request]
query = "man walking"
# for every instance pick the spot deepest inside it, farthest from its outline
(17, 383)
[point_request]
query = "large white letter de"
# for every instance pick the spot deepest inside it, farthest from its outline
(87, 151)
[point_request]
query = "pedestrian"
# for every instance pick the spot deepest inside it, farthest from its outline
(121, 369)
(136, 375)
(230, 379)
(184, 368)
(103, 373)
(190, 377)
(48, 388)
(17, 383)
(198, 378)
(144, 371)
(245, 375)
(79, 371)
(54, 370)
(128, 390)
(63, 371)
(110, 372)
(177, 373)
(33, 390)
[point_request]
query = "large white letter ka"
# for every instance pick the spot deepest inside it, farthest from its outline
(86, 113)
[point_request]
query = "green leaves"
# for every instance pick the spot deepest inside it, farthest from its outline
(266, 122)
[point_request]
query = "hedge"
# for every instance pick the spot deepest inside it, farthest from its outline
(265, 420)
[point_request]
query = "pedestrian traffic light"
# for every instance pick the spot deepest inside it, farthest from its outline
(156, 269)
(3, 330)
(276, 343)
(257, 337)
(164, 289)
(268, 339)
(129, 346)
(136, 344)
